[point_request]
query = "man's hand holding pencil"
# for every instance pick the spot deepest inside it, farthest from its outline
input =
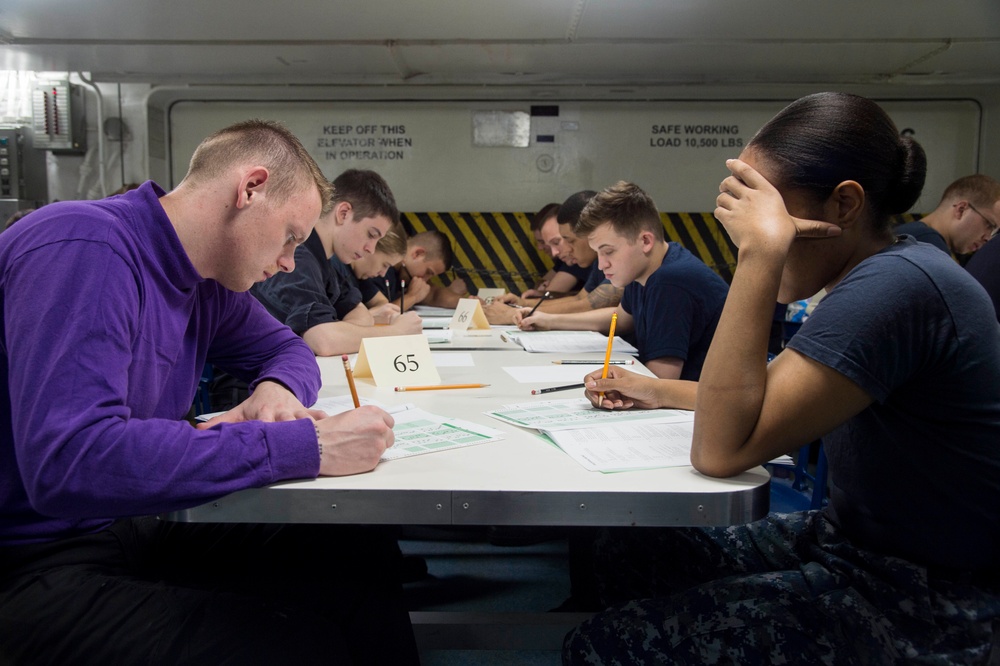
(353, 442)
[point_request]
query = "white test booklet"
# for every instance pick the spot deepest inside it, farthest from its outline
(436, 323)
(418, 431)
(579, 413)
(626, 446)
(437, 337)
(433, 317)
(608, 440)
(433, 311)
(566, 342)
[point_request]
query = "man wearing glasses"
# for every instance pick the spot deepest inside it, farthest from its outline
(964, 220)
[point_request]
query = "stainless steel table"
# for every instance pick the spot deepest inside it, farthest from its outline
(521, 480)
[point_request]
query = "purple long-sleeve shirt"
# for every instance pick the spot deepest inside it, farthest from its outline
(106, 326)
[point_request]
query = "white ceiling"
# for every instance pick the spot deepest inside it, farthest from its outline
(507, 42)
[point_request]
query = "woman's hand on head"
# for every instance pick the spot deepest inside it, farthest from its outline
(754, 213)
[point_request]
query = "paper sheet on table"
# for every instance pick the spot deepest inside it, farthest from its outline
(418, 431)
(566, 342)
(627, 446)
(433, 311)
(435, 323)
(437, 336)
(453, 359)
(549, 374)
(578, 412)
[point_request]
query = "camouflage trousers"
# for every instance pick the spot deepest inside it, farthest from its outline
(789, 589)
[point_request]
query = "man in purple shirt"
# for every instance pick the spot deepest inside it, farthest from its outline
(110, 310)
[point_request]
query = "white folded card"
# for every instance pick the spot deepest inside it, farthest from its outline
(396, 360)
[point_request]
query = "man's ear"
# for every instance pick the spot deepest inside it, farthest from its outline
(647, 240)
(959, 208)
(418, 253)
(849, 200)
(252, 186)
(343, 212)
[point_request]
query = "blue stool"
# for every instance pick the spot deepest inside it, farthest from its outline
(804, 490)
(202, 395)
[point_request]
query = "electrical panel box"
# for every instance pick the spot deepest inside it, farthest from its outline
(23, 178)
(58, 117)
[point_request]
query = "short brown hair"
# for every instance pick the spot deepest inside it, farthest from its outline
(268, 143)
(978, 189)
(368, 194)
(624, 206)
(437, 245)
(542, 216)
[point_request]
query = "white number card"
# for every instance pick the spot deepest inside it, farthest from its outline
(397, 360)
(469, 316)
(487, 294)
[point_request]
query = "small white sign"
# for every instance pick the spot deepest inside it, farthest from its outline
(469, 316)
(487, 294)
(399, 360)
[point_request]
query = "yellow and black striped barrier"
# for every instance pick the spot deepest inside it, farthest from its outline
(498, 249)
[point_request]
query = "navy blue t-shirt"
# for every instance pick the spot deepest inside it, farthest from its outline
(371, 287)
(594, 278)
(917, 473)
(388, 286)
(346, 276)
(581, 273)
(314, 293)
(368, 288)
(675, 313)
(985, 267)
(923, 233)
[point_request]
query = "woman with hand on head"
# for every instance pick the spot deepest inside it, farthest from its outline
(897, 370)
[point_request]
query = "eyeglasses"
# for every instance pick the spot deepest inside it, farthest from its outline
(990, 224)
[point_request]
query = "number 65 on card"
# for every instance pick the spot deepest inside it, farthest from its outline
(397, 360)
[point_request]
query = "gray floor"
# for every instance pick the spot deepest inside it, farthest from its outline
(469, 575)
(489, 658)
(473, 576)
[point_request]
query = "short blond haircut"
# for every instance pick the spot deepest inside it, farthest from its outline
(394, 241)
(269, 144)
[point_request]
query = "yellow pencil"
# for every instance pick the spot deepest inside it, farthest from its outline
(439, 386)
(607, 354)
(350, 380)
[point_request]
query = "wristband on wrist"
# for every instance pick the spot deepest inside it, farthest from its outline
(319, 442)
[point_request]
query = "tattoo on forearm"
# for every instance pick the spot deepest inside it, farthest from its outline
(605, 296)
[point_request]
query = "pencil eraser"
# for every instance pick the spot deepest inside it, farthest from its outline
(534, 391)
(343, 356)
